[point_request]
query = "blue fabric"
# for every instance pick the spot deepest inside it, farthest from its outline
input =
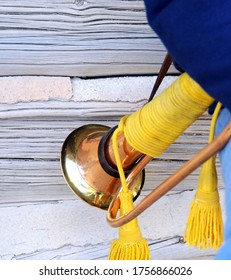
(197, 34)
(225, 160)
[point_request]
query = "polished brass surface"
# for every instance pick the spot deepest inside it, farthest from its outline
(83, 172)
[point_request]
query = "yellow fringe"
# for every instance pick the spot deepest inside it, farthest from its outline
(129, 251)
(204, 227)
(130, 245)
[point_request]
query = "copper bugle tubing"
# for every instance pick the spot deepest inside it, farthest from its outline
(128, 154)
(204, 154)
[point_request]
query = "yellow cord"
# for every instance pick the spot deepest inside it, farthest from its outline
(213, 121)
(159, 123)
(117, 155)
(130, 245)
(150, 131)
(204, 226)
(155, 126)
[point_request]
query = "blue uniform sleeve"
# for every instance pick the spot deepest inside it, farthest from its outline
(225, 160)
(197, 34)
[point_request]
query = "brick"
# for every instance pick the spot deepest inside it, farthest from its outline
(34, 88)
(128, 89)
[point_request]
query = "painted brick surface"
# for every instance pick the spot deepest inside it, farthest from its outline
(131, 89)
(34, 88)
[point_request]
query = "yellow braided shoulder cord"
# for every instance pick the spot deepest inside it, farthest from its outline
(204, 227)
(150, 131)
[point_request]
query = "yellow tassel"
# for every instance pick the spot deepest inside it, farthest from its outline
(130, 245)
(204, 228)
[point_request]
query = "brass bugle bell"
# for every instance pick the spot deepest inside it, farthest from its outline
(88, 165)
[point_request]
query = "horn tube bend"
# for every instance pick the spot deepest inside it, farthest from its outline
(204, 154)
